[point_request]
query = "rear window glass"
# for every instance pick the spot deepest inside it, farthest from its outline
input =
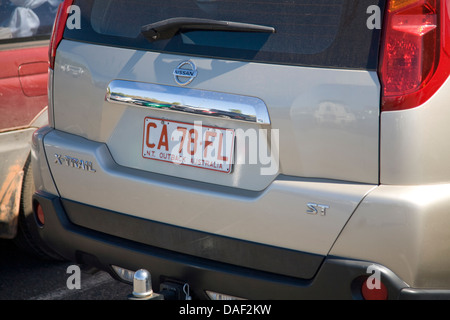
(329, 33)
(22, 20)
(305, 27)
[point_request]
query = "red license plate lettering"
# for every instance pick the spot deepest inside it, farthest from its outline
(188, 144)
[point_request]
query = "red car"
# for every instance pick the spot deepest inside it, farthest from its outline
(25, 29)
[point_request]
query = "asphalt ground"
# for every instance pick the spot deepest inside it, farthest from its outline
(24, 277)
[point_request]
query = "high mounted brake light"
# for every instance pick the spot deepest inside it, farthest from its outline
(58, 30)
(415, 52)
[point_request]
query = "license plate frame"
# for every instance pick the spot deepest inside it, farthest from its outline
(186, 144)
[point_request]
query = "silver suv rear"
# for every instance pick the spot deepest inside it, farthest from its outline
(251, 149)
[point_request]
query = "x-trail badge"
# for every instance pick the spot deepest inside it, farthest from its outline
(185, 73)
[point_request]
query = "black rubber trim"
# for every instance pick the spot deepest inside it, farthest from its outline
(424, 294)
(195, 243)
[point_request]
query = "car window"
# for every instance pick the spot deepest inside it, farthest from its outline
(26, 19)
(306, 26)
(328, 33)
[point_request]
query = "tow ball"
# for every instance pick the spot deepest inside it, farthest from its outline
(142, 289)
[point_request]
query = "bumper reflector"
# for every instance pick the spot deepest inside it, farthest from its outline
(376, 293)
(39, 212)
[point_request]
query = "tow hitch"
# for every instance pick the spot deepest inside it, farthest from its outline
(142, 289)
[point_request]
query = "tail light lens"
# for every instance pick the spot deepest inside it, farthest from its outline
(415, 52)
(58, 30)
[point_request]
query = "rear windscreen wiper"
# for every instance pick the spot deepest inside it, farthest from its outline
(166, 29)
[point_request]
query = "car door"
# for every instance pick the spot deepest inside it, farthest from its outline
(25, 29)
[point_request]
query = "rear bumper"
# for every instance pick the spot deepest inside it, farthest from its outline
(336, 278)
(384, 227)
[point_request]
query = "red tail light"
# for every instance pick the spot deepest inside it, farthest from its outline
(58, 30)
(415, 52)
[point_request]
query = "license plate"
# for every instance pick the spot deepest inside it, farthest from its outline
(187, 144)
